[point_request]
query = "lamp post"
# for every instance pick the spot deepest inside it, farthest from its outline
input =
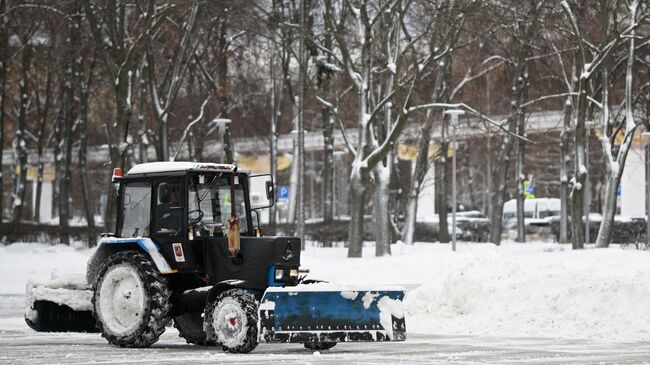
(454, 113)
(587, 196)
(221, 126)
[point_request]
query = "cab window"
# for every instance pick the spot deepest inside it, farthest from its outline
(169, 210)
(210, 205)
(136, 210)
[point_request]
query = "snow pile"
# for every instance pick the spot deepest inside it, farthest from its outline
(529, 290)
(497, 294)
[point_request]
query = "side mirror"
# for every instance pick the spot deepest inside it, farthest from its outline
(261, 191)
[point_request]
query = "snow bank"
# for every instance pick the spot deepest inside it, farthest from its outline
(531, 290)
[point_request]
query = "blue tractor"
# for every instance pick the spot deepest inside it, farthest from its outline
(188, 250)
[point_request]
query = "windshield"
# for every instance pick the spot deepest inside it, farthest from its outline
(210, 205)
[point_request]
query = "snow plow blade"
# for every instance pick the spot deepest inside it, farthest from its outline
(323, 312)
(60, 305)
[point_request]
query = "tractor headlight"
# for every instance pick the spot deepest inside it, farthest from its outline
(279, 274)
(293, 273)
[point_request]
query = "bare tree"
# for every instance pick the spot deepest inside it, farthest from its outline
(445, 34)
(120, 37)
(377, 130)
(588, 68)
(525, 22)
(172, 81)
(71, 81)
(86, 75)
(615, 162)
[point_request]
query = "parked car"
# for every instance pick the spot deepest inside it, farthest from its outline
(537, 212)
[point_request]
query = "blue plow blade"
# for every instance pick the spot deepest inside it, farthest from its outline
(323, 312)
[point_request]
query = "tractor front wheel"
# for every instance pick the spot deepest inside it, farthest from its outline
(131, 300)
(230, 320)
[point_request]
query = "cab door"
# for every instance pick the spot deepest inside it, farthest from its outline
(169, 226)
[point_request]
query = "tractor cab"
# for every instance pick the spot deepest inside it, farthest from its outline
(201, 218)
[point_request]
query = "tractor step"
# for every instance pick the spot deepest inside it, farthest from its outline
(323, 312)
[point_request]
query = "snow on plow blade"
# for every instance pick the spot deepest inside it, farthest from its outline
(323, 312)
(60, 305)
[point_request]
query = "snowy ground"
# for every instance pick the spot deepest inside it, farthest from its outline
(532, 303)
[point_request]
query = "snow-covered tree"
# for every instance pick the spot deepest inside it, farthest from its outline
(611, 127)
(591, 58)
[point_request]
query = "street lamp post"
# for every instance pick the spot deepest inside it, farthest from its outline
(221, 126)
(454, 113)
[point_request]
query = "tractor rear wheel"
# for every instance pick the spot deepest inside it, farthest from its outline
(190, 327)
(131, 300)
(230, 320)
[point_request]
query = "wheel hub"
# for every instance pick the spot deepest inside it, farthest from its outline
(121, 300)
(229, 323)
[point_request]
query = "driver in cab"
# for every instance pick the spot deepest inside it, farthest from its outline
(169, 208)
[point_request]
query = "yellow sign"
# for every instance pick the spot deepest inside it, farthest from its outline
(262, 163)
(32, 172)
(410, 152)
(637, 138)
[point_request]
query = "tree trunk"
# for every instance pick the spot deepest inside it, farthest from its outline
(519, 84)
(417, 179)
(3, 82)
(143, 140)
(43, 116)
(647, 179)
(293, 178)
(381, 209)
(222, 74)
(579, 170)
(118, 146)
(496, 222)
(357, 209)
(84, 93)
(422, 162)
(647, 168)
(609, 209)
(328, 140)
(564, 172)
(19, 144)
(521, 153)
(71, 76)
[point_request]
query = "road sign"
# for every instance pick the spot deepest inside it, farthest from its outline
(529, 190)
(283, 192)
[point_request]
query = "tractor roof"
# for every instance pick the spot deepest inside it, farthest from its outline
(162, 167)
